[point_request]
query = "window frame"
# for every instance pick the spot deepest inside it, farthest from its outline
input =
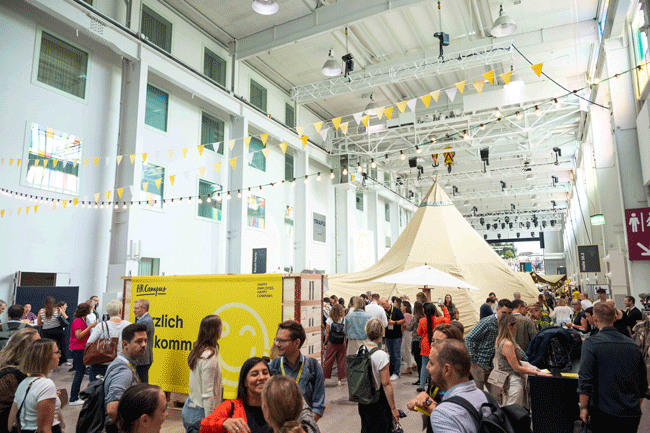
(293, 166)
(293, 109)
(36, 61)
(266, 95)
(163, 16)
(169, 97)
(196, 212)
(153, 258)
(206, 48)
(223, 141)
(250, 164)
(387, 211)
(357, 201)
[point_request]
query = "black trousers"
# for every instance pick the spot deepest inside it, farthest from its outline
(415, 351)
(602, 422)
(376, 417)
(56, 334)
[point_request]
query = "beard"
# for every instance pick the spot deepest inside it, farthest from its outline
(440, 382)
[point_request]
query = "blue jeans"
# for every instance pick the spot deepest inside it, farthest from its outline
(394, 349)
(191, 415)
(424, 373)
(79, 371)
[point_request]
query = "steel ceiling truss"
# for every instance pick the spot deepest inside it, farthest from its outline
(511, 192)
(382, 75)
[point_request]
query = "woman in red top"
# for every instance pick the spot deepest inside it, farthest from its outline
(79, 333)
(244, 414)
(425, 330)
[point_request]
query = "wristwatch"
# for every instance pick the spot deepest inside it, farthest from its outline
(582, 407)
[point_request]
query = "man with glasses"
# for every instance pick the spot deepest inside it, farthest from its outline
(306, 371)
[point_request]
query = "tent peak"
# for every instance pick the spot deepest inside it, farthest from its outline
(436, 197)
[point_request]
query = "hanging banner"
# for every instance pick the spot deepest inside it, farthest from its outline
(250, 308)
(449, 156)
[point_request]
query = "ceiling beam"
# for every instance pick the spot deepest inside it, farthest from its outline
(320, 21)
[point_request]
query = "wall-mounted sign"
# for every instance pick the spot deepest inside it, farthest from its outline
(320, 226)
(588, 258)
(637, 225)
(259, 260)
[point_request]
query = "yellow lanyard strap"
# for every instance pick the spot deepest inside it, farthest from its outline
(299, 371)
(135, 374)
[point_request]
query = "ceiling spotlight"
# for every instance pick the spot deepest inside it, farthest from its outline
(370, 108)
(331, 67)
(401, 155)
(265, 7)
(348, 60)
(372, 163)
(503, 26)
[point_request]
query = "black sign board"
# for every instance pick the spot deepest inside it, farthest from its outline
(588, 258)
(259, 260)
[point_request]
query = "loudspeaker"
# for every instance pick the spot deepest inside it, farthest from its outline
(413, 162)
(485, 154)
(541, 240)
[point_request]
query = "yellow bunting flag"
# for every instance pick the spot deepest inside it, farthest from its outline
(18, 163)
(36, 162)
(132, 158)
(265, 137)
(305, 138)
(85, 162)
(11, 161)
(537, 69)
(379, 111)
(145, 186)
(35, 208)
(54, 162)
(436, 95)
(231, 144)
(27, 209)
(283, 146)
(172, 178)
(336, 122)
(2, 161)
(158, 182)
(96, 197)
(402, 106)
(365, 120)
(120, 191)
(45, 163)
(344, 127)
(201, 147)
(266, 152)
(144, 158)
(95, 160)
(170, 152)
(233, 162)
(108, 195)
(119, 159)
(18, 212)
(53, 206)
(74, 200)
(506, 76)
(2, 213)
(478, 85)
(202, 171)
(247, 141)
(426, 100)
(76, 161)
(489, 76)
(389, 112)
(217, 166)
(65, 204)
(300, 130)
(184, 150)
(318, 126)
(460, 86)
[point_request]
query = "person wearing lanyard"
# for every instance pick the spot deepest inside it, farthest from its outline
(121, 373)
(395, 320)
(306, 371)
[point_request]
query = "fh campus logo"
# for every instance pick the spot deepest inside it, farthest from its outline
(146, 290)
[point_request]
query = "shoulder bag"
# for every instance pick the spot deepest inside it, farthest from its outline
(103, 350)
(17, 427)
(497, 379)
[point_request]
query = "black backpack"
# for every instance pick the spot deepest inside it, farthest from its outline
(93, 412)
(337, 334)
(513, 418)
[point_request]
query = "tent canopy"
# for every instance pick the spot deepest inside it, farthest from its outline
(439, 236)
(551, 280)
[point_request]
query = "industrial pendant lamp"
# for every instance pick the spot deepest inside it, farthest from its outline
(331, 68)
(265, 7)
(503, 26)
(370, 108)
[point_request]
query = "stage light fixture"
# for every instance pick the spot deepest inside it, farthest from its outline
(372, 105)
(331, 68)
(265, 7)
(503, 26)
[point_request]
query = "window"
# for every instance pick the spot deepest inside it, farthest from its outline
(640, 44)
(211, 208)
(388, 244)
(148, 267)
(156, 109)
(288, 167)
(360, 201)
(258, 96)
(53, 160)
(387, 179)
(387, 212)
(214, 67)
(256, 212)
(62, 66)
(157, 29)
(212, 131)
(259, 160)
(152, 185)
(289, 116)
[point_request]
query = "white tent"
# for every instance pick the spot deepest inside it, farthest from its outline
(439, 236)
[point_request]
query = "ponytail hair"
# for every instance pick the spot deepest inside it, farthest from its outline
(282, 403)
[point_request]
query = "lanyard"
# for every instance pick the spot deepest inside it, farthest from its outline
(299, 371)
(135, 374)
(391, 313)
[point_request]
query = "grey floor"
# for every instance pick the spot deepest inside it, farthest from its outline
(340, 416)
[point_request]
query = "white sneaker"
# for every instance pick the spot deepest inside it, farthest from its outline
(339, 384)
(78, 402)
(394, 377)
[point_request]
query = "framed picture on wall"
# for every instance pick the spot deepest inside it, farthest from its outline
(319, 227)
(256, 212)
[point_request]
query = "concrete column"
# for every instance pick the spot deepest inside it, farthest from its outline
(342, 215)
(372, 209)
(235, 208)
(301, 169)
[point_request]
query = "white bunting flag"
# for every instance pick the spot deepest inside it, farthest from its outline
(323, 133)
(451, 93)
(411, 104)
(357, 117)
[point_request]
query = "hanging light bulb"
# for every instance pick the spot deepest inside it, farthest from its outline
(497, 114)
(248, 194)
(372, 164)
(96, 206)
(556, 102)
(359, 167)
(293, 182)
(401, 155)
(482, 126)
(228, 196)
(318, 177)
(219, 198)
(124, 205)
(465, 135)
(596, 81)
(306, 179)
(518, 115)
(260, 187)
(345, 171)
(209, 199)
(200, 200)
(538, 112)
(239, 193)
(131, 204)
(101, 206)
(83, 204)
(117, 206)
(417, 149)
(332, 174)
(617, 76)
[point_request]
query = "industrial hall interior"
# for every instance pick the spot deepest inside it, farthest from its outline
(262, 155)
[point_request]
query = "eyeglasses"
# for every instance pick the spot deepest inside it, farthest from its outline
(282, 340)
(57, 352)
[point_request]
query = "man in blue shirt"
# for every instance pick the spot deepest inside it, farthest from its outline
(306, 371)
(486, 309)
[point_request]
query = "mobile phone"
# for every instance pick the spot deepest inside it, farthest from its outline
(439, 300)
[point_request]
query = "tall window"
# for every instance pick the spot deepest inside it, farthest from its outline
(148, 267)
(157, 29)
(387, 212)
(152, 185)
(259, 160)
(258, 96)
(360, 201)
(288, 167)
(387, 179)
(62, 66)
(211, 208)
(289, 116)
(212, 131)
(640, 44)
(214, 67)
(156, 109)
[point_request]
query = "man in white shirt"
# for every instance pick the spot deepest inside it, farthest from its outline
(586, 303)
(376, 311)
(602, 296)
(92, 316)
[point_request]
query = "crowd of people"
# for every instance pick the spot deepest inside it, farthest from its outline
(286, 393)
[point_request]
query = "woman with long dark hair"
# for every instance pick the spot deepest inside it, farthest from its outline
(142, 409)
(425, 330)
(79, 334)
(48, 320)
(451, 307)
(206, 389)
(418, 313)
(335, 344)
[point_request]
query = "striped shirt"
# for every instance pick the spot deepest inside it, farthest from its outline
(52, 322)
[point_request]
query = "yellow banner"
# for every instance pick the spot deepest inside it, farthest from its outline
(119, 192)
(233, 162)
(318, 126)
(119, 159)
(305, 138)
(172, 178)
(108, 195)
(250, 308)
(96, 195)
(506, 76)
(379, 111)
(401, 106)
(202, 171)
(170, 152)
(460, 86)
(54, 162)
(217, 166)
(426, 100)
(336, 122)
(537, 68)
(283, 146)
(96, 160)
(344, 127)
(201, 147)
(247, 141)
(436, 95)
(144, 158)
(264, 137)
(389, 112)
(365, 120)
(489, 76)
(266, 151)
(184, 150)
(478, 85)
(132, 158)
(231, 144)
(158, 182)
(74, 201)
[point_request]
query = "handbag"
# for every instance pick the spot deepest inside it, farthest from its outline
(497, 378)
(103, 350)
(17, 427)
